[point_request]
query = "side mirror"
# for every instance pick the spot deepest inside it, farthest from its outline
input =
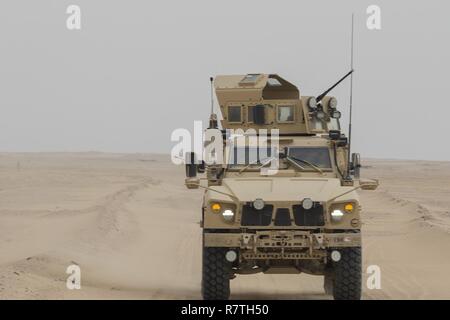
(191, 165)
(356, 165)
(259, 116)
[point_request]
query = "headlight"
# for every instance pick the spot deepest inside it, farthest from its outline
(228, 215)
(258, 204)
(336, 215)
(226, 210)
(338, 211)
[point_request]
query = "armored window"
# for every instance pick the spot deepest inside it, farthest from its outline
(259, 111)
(250, 155)
(250, 113)
(273, 82)
(250, 79)
(318, 156)
(285, 114)
(234, 114)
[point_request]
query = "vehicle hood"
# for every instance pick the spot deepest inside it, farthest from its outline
(281, 189)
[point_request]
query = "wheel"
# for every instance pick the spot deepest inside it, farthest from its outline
(216, 272)
(347, 275)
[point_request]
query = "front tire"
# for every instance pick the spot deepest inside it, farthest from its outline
(216, 272)
(347, 275)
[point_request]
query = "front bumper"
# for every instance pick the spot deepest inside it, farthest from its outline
(276, 244)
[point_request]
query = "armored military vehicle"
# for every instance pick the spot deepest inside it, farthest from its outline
(302, 217)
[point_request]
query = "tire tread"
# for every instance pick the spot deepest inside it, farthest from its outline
(347, 277)
(216, 273)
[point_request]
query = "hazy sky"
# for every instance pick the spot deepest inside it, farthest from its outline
(139, 69)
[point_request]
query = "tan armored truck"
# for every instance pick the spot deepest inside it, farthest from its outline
(302, 215)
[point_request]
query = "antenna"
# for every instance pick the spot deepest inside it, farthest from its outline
(211, 79)
(351, 103)
(212, 116)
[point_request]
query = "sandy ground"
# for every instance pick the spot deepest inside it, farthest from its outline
(132, 227)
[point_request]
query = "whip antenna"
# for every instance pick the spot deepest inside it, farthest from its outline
(213, 116)
(211, 79)
(351, 102)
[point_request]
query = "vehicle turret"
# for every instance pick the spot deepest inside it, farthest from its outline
(267, 101)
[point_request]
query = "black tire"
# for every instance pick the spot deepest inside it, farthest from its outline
(347, 275)
(216, 272)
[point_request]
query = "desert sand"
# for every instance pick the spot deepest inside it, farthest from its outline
(133, 228)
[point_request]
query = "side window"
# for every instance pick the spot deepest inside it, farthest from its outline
(234, 114)
(250, 113)
(285, 114)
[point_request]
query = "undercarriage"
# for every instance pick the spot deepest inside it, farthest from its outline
(334, 255)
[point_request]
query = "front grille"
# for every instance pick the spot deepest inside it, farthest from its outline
(309, 218)
(283, 217)
(253, 217)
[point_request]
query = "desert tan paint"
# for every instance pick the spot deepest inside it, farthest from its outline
(288, 187)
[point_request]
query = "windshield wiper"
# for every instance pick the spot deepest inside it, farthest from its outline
(305, 162)
(268, 160)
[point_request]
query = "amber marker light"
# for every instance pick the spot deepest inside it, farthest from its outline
(349, 207)
(216, 207)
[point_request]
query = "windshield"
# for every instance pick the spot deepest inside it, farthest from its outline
(242, 156)
(318, 156)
